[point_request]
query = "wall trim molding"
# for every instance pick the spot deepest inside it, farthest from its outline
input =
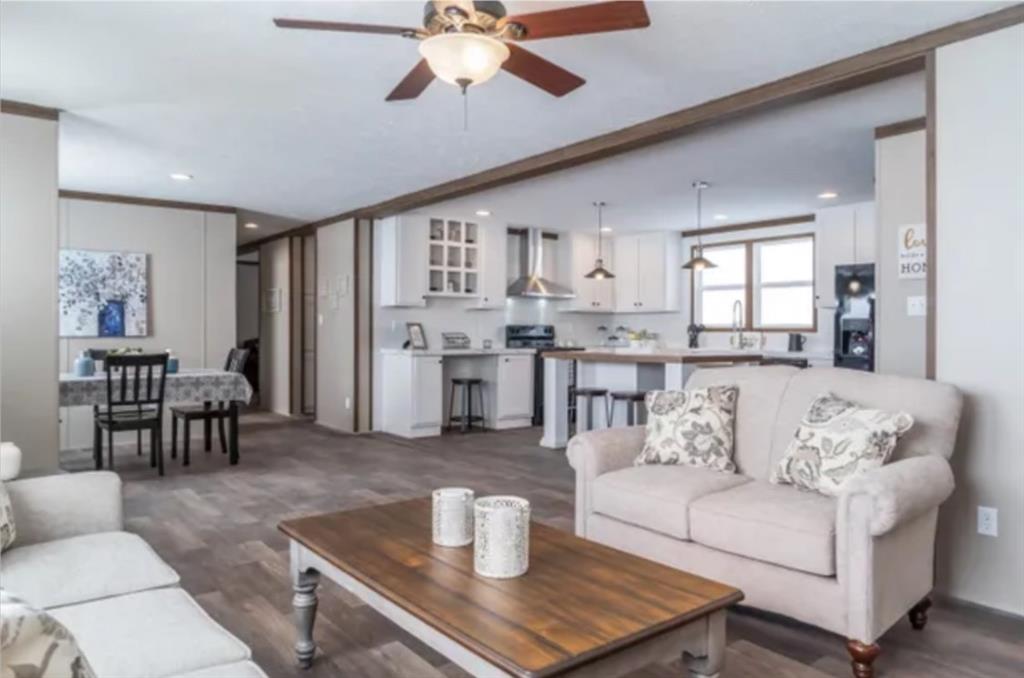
(902, 127)
(28, 110)
(147, 202)
(751, 225)
(883, 63)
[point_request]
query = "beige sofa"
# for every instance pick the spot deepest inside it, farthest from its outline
(120, 601)
(852, 565)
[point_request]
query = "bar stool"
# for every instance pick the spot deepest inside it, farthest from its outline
(589, 394)
(465, 416)
(634, 403)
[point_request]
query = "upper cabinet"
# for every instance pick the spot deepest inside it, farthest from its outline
(845, 235)
(577, 257)
(647, 277)
(403, 264)
(424, 256)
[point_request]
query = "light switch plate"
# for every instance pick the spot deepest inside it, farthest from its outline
(917, 306)
(988, 521)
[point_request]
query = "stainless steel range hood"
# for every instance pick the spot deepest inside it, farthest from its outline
(531, 282)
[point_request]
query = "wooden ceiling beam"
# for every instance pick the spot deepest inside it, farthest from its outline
(28, 110)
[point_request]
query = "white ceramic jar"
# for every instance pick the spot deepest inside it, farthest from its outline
(502, 537)
(453, 516)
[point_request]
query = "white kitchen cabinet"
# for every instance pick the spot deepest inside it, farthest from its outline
(403, 262)
(845, 235)
(578, 257)
(514, 406)
(493, 267)
(412, 394)
(647, 277)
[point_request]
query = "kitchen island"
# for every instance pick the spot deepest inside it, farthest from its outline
(619, 369)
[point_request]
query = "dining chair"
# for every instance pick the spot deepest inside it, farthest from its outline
(208, 412)
(99, 355)
(135, 402)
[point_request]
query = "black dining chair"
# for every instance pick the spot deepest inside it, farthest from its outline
(135, 402)
(100, 355)
(208, 412)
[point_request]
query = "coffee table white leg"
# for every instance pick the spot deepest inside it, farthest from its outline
(707, 661)
(304, 583)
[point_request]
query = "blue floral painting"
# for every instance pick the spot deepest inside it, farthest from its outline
(103, 294)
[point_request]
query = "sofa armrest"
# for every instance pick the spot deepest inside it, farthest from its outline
(904, 490)
(598, 452)
(58, 506)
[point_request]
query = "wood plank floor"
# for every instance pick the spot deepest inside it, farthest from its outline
(217, 526)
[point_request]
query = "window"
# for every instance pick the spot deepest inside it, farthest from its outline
(772, 279)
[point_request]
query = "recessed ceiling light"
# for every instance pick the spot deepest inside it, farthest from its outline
(828, 195)
(181, 176)
(252, 225)
(483, 213)
(606, 229)
(721, 217)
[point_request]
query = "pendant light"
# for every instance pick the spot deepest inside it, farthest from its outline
(698, 262)
(599, 272)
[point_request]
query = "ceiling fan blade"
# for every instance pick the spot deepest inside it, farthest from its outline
(598, 17)
(538, 71)
(343, 27)
(414, 83)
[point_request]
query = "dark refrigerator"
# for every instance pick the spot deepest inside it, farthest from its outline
(855, 317)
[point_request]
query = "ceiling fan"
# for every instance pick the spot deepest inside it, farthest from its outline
(465, 43)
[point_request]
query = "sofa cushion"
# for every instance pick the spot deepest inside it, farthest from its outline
(657, 497)
(87, 567)
(34, 644)
(245, 669)
(838, 441)
(166, 631)
(761, 391)
(691, 427)
(775, 523)
(7, 530)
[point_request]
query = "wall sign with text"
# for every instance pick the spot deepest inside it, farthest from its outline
(912, 256)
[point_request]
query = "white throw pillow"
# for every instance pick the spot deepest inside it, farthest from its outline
(693, 427)
(7, 529)
(35, 644)
(838, 440)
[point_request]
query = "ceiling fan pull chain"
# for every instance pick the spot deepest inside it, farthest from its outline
(464, 84)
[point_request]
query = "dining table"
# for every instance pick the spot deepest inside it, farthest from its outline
(187, 385)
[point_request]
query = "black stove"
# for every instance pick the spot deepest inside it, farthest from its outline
(542, 338)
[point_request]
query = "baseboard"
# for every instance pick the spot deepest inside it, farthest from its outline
(953, 601)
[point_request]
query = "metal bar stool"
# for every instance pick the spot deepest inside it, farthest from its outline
(465, 417)
(589, 394)
(634, 404)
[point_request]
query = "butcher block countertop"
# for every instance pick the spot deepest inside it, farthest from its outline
(656, 356)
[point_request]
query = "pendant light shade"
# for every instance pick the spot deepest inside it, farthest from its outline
(464, 59)
(699, 262)
(599, 272)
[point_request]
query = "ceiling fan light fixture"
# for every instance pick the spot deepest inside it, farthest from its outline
(464, 58)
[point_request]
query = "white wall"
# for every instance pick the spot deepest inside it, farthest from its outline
(275, 327)
(191, 267)
(247, 313)
(28, 288)
(980, 313)
(900, 201)
(335, 338)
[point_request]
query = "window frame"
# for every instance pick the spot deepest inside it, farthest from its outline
(751, 286)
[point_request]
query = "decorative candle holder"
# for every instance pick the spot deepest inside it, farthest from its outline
(453, 516)
(502, 531)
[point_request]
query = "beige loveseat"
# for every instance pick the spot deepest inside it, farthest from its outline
(120, 601)
(852, 565)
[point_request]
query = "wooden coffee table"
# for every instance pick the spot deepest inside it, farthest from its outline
(581, 609)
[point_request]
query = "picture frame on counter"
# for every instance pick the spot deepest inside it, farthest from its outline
(417, 336)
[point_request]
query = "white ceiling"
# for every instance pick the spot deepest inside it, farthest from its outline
(294, 123)
(767, 166)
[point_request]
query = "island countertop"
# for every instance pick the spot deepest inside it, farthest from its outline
(656, 356)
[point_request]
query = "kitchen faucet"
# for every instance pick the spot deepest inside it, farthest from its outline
(738, 340)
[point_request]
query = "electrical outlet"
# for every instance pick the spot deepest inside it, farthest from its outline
(348, 403)
(917, 306)
(988, 521)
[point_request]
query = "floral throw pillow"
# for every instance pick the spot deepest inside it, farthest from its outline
(7, 531)
(35, 644)
(836, 441)
(693, 427)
